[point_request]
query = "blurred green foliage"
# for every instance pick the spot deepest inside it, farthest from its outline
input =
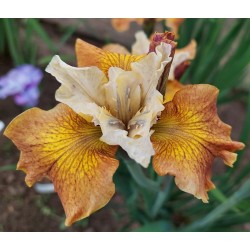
(223, 52)
(20, 37)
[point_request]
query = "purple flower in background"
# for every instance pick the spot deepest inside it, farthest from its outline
(1, 125)
(22, 83)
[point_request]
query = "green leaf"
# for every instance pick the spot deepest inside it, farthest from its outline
(245, 132)
(41, 32)
(219, 196)
(214, 51)
(227, 96)
(244, 173)
(30, 48)
(156, 226)
(217, 213)
(185, 31)
(12, 36)
(2, 37)
(217, 53)
(136, 172)
(162, 196)
(67, 35)
(8, 167)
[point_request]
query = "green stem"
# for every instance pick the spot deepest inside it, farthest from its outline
(162, 196)
(136, 172)
(12, 38)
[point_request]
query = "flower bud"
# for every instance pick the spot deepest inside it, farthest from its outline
(157, 39)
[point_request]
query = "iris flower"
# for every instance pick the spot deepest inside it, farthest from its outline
(113, 100)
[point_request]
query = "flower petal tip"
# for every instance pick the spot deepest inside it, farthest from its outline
(87, 54)
(55, 61)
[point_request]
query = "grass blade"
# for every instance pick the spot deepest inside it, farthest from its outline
(214, 215)
(8, 167)
(37, 27)
(12, 38)
(136, 172)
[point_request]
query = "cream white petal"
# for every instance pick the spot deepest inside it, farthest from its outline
(178, 59)
(144, 119)
(140, 124)
(140, 149)
(123, 93)
(151, 67)
(111, 90)
(82, 89)
(141, 45)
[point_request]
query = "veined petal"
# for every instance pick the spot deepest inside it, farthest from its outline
(89, 55)
(61, 145)
(82, 88)
(110, 59)
(141, 45)
(188, 136)
(140, 149)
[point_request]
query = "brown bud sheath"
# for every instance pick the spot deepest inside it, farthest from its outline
(158, 38)
(180, 70)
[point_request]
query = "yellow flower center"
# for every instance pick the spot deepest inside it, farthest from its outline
(110, 59)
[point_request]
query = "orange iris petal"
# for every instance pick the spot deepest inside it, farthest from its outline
(188, 136)
(172, 88)
(89, 55)
(62, 146)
